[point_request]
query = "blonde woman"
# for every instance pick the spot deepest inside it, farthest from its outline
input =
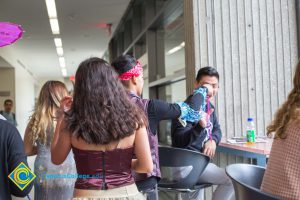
(51, 181)
(282, 176)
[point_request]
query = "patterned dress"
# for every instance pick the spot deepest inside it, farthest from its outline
(53, 182)
(282, 176)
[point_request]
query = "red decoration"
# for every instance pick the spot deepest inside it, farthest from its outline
(72, 78)
(105, 26)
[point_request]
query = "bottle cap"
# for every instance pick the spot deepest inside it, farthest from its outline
(250, 119)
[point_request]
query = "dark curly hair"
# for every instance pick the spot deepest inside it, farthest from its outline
(101, 111)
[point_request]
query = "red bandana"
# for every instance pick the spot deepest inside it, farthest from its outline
(136, 71)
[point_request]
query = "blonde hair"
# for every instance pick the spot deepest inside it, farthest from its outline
(43, 118)
(289, 112)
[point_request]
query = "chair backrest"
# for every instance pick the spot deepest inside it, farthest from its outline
(180, 168)
(247, 180)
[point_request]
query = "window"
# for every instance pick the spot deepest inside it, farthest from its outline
(171, 93)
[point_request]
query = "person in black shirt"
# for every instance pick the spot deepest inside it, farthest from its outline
(11, 155)
(204, 136)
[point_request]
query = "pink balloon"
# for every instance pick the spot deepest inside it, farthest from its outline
(9, 33)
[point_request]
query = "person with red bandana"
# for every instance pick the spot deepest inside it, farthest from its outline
(131, 75)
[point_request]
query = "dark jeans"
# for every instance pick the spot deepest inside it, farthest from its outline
(148, 187)
(151, 194)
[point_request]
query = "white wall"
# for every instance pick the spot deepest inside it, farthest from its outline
(24, 98)
(24, 88)
(25, 84)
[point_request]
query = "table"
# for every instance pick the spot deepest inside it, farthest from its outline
(258, 151)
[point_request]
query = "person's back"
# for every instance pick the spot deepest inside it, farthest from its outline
(47, 185)
(105, 131)
(11, 155)
(109, 167)
(282, 175)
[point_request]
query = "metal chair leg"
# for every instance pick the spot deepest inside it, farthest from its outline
(178, 196)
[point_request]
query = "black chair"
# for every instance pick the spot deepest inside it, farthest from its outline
(247, 180)
(191, 164)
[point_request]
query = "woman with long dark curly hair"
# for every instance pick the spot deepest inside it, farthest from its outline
(105, 130)
(282, 176)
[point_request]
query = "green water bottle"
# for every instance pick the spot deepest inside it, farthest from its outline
(250, 131)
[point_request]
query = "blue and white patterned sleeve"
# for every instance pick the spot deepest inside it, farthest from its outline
(203, 92)
(188, 113)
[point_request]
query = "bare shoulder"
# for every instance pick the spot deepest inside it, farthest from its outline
(79, 143)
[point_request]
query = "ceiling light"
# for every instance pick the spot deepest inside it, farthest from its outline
(60, 51)
(51, 8)
(62, 65)
(54, 26)
(61, 59)
(57, 42)
(171, 51)
(175, 49)
(64, 72)
(62, 62)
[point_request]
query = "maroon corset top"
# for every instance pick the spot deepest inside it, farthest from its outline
(101, 170)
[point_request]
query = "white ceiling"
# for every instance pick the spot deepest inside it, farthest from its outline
(78, 19)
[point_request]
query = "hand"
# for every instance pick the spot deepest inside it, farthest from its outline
(210, 148)
(203, 121)
(210, 89)
(66, 103)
